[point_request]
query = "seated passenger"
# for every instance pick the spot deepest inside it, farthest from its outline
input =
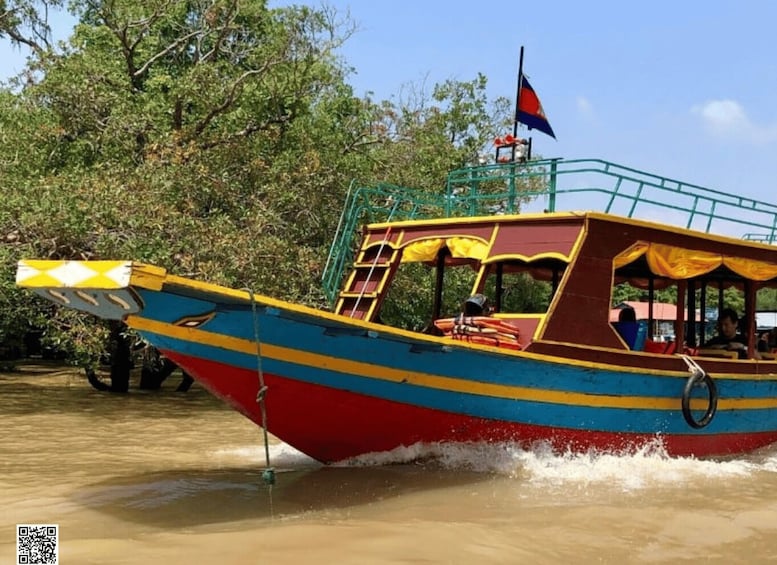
(627, 314)
(763, 342)
(767, 341)
(632, 332)
(728, 337)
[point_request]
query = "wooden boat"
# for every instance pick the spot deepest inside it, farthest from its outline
(344, 383)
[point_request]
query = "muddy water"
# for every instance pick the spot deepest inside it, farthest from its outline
(176, 478)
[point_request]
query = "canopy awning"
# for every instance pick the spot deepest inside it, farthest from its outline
(426, 250)
(680, 263)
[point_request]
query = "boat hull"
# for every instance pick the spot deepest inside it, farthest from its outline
(331, 425)
(338, 387)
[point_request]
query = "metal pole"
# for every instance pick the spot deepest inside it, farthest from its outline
(553, 177)
(518, 99)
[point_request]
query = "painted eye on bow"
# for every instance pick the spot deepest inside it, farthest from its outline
(194, 321)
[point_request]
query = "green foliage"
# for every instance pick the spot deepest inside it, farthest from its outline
(409, 301)
(767, 299)
(624, 292)
(214, 138)
(522, 294)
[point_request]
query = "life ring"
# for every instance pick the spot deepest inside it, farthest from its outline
(694, 380)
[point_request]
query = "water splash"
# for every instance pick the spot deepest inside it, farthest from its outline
(646, 467)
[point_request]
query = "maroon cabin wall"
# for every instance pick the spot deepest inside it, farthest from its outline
(582, 312)
(589, 285)
(536, 238)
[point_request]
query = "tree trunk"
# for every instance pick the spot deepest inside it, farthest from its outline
(121, 359)
(91, 376)
(186, 383)
(153, 374)
(121, 362)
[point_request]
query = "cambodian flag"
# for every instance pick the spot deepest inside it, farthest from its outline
(529, 110)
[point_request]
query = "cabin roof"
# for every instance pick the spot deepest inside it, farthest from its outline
(550, 218)
(534, 236)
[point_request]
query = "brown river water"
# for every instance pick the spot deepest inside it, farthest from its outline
(166, 477)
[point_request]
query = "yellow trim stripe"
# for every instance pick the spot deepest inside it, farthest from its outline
(380, 372)
(527, 258)
(507, 218)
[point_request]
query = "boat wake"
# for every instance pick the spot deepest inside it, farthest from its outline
(647, 467)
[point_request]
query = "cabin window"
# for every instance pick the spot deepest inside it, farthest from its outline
(521, 294)
(522, 288)
(410, 302)
(660, 318)
(691, 287)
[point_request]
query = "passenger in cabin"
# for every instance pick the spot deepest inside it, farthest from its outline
(763, 342)
(629, 329)
(627, 314)
(728, 337)
(766, 342)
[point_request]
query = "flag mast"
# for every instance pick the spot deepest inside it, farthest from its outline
(518, 98)
(517, 108)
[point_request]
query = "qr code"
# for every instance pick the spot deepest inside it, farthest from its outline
(37, 544)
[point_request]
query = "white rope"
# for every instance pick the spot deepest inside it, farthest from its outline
(693, 366)
(371, 271)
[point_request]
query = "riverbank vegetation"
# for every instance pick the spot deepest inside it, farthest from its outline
(215, 138)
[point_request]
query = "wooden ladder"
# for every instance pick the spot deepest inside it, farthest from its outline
(363, 291)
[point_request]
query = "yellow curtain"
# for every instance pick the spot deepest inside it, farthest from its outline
(460, 247)
(630, 254)
(753, 270)
(421, 251)
(467, 248)
(679, 263)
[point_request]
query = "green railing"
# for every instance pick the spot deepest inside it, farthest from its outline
(550, 185)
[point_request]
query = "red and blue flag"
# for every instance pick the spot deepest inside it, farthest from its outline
(529, 110)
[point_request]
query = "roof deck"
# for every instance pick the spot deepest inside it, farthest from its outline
(547, 186)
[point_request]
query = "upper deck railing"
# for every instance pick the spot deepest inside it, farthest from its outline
(551, 185)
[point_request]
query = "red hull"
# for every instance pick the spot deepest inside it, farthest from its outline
(331, 425)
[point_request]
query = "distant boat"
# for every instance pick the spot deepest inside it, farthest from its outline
(344, 383)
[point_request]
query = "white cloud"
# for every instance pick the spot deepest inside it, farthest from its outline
(584, 107)
(727, 118)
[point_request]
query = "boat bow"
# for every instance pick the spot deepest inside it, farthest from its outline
(103, 288)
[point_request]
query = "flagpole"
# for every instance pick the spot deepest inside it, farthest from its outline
(518, 99)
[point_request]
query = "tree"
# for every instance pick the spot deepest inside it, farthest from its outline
(25, 23)
(214, 138)
(193, 128)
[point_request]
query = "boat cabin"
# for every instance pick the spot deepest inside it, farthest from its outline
(549, 277)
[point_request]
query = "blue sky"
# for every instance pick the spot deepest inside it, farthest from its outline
(683, 89)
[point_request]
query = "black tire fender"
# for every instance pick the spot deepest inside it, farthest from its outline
(696, 379)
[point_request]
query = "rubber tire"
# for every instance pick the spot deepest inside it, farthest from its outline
(712, 407)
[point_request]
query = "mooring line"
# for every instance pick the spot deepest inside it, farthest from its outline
(268, 475)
